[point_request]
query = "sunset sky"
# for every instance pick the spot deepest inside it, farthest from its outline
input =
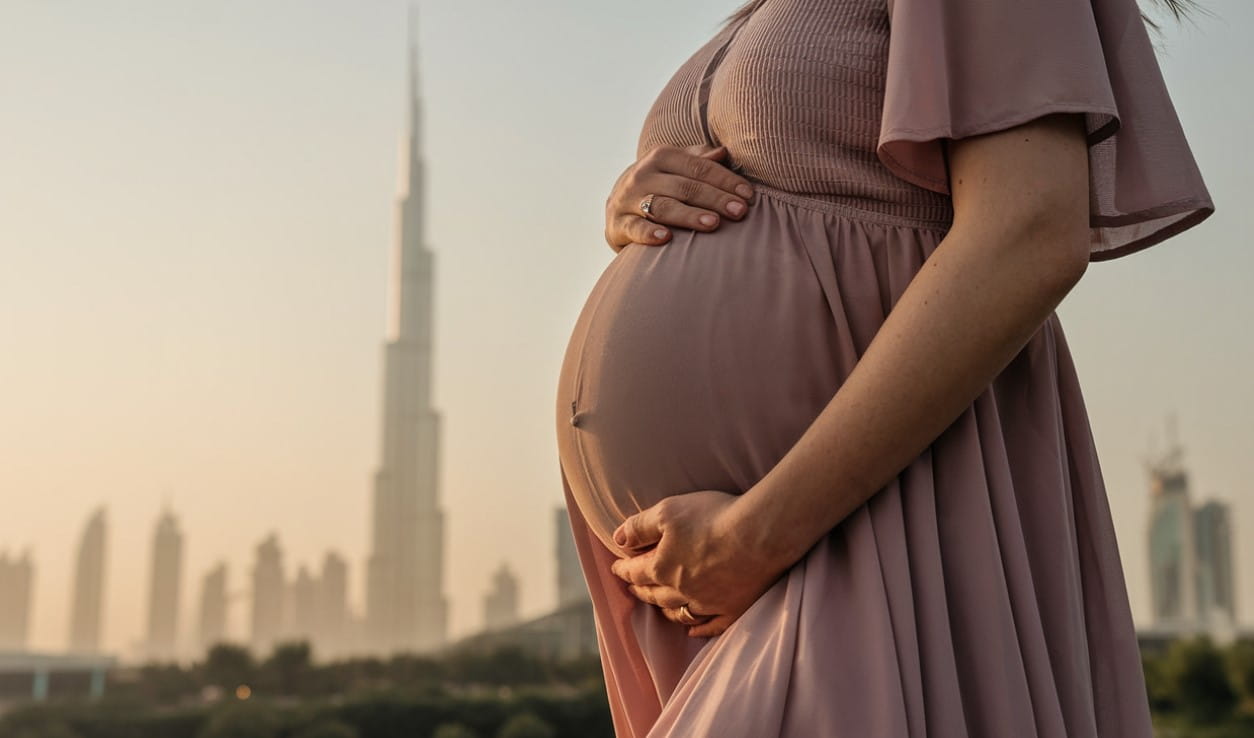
(196, 211)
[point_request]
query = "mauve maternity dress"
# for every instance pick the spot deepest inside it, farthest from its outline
(981, 592)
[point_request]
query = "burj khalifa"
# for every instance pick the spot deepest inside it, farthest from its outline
(406, 609)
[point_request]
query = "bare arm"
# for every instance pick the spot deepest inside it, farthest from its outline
(1018, 244)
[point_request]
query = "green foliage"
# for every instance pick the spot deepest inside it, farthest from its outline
(228, 666)
(584, 671)
(505, 666)
(329, 729)
(1240, 665)
(397, 715)
(390, 713)
(288, 671)
(1196, 674)
(99, 719)
(243, 720)
(526, 725)
(1166, 726)
(454, 730)
(164, 684)
(1158, 684)
(35, 723)
(408, 668)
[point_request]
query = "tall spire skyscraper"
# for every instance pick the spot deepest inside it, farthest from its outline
(405, 604)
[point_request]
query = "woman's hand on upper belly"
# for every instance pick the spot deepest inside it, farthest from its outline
(695, 556)
(689, 189)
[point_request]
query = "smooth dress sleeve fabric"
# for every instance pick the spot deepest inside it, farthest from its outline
(959, 68)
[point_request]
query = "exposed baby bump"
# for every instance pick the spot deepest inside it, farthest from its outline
(694, 365)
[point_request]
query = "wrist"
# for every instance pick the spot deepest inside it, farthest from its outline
(759, 523)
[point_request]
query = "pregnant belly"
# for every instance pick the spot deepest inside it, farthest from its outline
(694, 365)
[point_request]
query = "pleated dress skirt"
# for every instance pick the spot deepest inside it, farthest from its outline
(981, 593)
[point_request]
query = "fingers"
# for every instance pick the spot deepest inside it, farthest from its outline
(665, 211)
(691, 204)
(629, 228)
(694, 180)
(680, 201)
(669, 601)
(705, 151)
(703, 169)
(640, 530)
(676, 615)
(695, 196)
(640, 569)
(660, 595)
(691, 189)
(710, 628)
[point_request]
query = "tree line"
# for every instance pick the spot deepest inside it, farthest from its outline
(1195, 688)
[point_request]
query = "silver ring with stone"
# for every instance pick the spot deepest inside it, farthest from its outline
(687, 615)
(646, 206)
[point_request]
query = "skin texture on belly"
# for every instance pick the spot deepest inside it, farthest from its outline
(694, 365)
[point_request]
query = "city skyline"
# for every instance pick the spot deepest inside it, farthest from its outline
(1188, 555)
(281, 607)
(198, 250)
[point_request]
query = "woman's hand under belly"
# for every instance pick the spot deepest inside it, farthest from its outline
(691, 551)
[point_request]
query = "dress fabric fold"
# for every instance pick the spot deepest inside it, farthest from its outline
(959, 68)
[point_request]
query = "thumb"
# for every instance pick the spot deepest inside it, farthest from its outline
(705, 151)
(639, 530)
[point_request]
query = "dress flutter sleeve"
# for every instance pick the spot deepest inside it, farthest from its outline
(959, 68)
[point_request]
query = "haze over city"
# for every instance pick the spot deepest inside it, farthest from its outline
(196, 220)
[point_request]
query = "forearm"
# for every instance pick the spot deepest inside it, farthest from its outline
(970, 309)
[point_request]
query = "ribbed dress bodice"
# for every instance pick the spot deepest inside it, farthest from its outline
(795, 92)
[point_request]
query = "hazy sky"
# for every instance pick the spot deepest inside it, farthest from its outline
(196, 207)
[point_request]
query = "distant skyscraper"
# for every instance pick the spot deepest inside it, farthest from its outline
(89, 581)
(164, 588)
(269, 595)
(1190, 550)
(1216, 596)
(571, 586)
(303, 606)
(500, 606)
(332, 637)
(213, 608)
(405, 604)
(1171, 544)
(317, 607)
(17, 578)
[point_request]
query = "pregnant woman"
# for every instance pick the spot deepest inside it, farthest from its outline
(826, 459)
